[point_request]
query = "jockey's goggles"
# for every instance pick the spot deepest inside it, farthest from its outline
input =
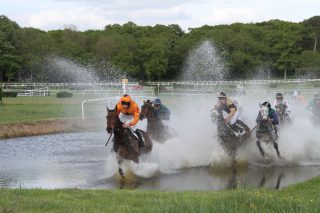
(125, 103)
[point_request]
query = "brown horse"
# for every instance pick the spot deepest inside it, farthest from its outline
(226, 137)
(125, 143)
(155, 128)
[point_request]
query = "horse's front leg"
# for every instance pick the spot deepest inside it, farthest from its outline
(121, 173)
(260, 148)
(275, 145)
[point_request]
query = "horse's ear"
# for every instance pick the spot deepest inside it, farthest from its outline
(115, 108)
(144, 102)
(108, 109)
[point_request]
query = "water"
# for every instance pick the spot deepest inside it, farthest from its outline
(204, 63)
(80, 160)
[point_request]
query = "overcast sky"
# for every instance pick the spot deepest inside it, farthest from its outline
(95, 14)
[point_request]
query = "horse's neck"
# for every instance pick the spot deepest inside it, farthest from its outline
(119, 130)
(263, 125)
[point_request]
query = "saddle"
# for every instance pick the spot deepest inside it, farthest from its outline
(138, 134)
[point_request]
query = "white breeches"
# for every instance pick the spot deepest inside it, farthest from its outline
(234, 118)
(127, 119)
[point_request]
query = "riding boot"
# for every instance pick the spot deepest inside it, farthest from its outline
(237, 130)
(140, 138)
(276, 132)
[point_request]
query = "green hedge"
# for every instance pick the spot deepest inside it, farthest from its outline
(9, 94)
(64, 94)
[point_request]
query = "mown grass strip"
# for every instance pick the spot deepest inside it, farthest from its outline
(304, 197)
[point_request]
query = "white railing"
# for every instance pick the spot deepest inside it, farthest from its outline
(115, 99)
(239, 82)
(152, 83)
(35, 92)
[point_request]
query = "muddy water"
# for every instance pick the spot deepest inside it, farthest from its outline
(80, 161)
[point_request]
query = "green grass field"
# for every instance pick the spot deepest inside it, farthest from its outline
(26, 109)
(30, 109)
(304, 197)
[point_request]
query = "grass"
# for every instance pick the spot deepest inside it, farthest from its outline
(30, 109)
(304, 197)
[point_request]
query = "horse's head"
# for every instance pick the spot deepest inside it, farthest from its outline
(280, 109)
(147, 110)
(214, 114)
(264, 112)
(111, 119)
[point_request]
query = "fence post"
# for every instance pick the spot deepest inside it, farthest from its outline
(0, 94)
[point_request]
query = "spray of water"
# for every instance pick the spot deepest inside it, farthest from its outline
(62, 69)
(204, 63)
(197, 144)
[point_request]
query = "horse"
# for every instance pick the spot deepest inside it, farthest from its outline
(281, 111)
(125, 143)
(229, 141)
(155, 127)
(266, 131)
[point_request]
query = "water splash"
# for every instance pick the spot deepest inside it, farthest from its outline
(204, 63)
(61, 69)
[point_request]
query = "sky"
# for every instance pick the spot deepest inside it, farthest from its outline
(96, 14)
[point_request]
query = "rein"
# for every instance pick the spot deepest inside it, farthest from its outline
(109, 139)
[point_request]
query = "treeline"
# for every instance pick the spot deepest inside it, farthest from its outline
(159, 52)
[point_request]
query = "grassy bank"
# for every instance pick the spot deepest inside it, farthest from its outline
(47, 127)
(304, 197)
(26, 116)
(26, 109)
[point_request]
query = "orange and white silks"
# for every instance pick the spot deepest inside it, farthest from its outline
(133, 109)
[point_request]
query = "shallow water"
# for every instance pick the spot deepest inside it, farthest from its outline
(80, 160)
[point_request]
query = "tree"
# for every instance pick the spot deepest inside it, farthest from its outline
(9, 60)
(314, 24)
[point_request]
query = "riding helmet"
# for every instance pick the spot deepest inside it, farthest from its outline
(222, 95)
(157, 101)
(267, 104)
(125, 98)
(279, 95)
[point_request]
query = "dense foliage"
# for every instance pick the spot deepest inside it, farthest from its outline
(159, 52)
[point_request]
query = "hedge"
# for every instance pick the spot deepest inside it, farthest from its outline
(64, 94)
(9, 94)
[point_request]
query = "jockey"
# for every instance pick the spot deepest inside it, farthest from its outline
(314, 104)
(128, 112)
(233, 114)
(299, 98)
(280, 100)
(160, 110)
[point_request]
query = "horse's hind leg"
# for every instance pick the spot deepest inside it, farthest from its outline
(277, 149)
(260, 148)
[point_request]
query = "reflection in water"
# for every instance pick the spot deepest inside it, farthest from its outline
(80, 160)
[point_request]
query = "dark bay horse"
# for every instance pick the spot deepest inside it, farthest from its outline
(265, 131)
(229, 141)
(125, 144)
(155, 127)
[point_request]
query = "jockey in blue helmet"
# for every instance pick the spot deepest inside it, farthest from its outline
(161, 111)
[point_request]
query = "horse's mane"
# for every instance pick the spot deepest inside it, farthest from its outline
(148, 101)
